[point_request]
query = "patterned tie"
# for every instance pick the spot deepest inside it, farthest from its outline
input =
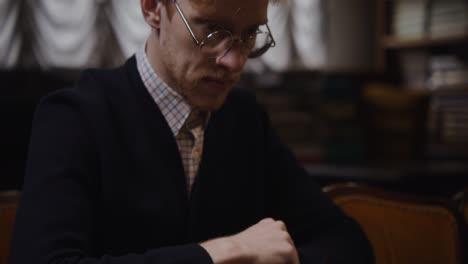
(197, 150)
(194, 133)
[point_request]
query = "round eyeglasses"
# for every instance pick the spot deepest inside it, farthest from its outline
(220, 42)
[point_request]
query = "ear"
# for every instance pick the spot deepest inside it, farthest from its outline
(151, 10)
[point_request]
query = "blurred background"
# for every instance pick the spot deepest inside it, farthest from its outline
(372, 91)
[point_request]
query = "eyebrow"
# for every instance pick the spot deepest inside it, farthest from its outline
(205, 20)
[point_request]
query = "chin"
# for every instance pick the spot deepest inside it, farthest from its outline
(209, 104)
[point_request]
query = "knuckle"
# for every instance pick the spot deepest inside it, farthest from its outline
(286, 251)
(289, 249)
(285, 236)
(281, 224)
(267, 220)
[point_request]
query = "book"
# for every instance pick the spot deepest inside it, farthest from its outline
(409, 18)
(448, 18)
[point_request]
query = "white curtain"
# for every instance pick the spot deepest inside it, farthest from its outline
(298, 29)
(279, 58)
(65, 32)
(329, 35)
(128, 24)
(309, 34)
(308, 31)
(10, 37)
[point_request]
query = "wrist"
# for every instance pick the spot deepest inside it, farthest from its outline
(226, 250)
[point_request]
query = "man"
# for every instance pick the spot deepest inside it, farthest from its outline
(158, 161)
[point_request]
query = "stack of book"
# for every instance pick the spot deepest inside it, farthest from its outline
(413, 68)
(447, 71)
(316, 115)
(290, 99)
(409, 18)
(448, 18)
(448, 111)
(395, 122)
(344, 138)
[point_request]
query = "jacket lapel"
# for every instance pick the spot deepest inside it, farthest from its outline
(153, 144)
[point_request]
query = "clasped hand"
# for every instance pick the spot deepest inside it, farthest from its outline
(267, 242)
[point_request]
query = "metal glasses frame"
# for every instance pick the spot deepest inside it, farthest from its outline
(200, 44)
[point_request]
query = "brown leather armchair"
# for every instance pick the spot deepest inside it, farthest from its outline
(8, 203)
(403, 229)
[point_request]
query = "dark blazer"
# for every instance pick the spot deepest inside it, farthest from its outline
(105, 182)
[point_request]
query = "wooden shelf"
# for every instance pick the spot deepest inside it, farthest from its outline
(391, 42)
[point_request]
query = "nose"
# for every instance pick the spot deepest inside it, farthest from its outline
(233, 60)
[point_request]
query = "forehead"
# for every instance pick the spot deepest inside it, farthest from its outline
(238, 11)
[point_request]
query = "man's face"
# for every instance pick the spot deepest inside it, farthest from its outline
(204, 81)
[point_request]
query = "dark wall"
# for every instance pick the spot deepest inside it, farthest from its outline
(21, 90)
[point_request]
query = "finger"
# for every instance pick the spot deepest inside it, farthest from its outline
(289, 238)
(281, 225)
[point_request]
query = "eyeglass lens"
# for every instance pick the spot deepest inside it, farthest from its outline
(220, 42)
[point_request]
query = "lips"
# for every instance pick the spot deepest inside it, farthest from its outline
(215, 80)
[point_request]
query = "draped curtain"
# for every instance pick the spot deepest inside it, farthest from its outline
(298, 28)
(70, 33)
(128, 24)
(309, 34)
(10, 34)
(329, 35)
(65, 32)
(279, 58)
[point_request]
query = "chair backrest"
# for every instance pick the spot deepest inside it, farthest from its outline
(462, 204)
(8, 203)
(403, 229)
(465, 212)
(461, 201)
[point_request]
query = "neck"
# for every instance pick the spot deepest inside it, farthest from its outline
(153, 50)
(152, 53)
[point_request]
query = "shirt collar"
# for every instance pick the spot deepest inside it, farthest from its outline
(172, 105)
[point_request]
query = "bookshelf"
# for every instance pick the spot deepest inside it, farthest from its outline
(418, 24)
(422, 46)
(391, 42)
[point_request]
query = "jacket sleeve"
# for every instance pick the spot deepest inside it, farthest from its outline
(56, 219)
(321, 231)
